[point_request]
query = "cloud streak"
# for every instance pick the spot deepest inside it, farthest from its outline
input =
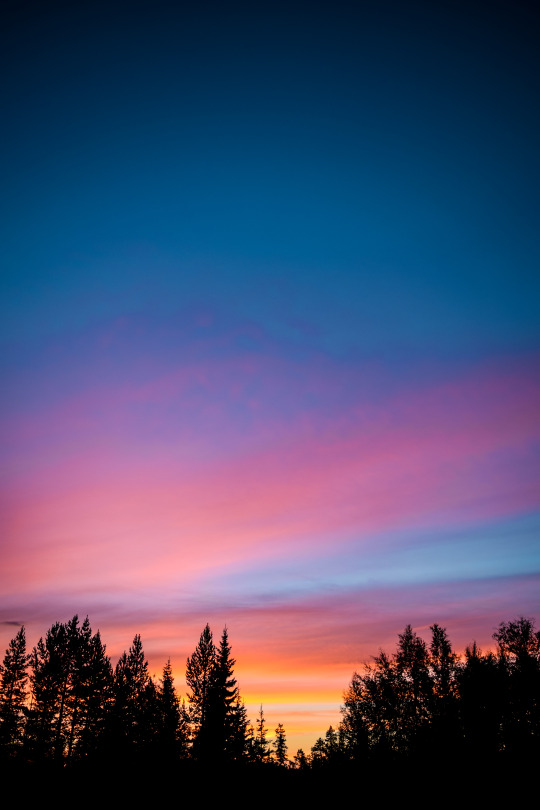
(108, 499)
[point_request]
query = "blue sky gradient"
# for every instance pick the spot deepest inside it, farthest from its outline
(270, 326)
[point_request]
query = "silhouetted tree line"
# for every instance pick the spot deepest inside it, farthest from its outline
(64, 703)
(424, 702)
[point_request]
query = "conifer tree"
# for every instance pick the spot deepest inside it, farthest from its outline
(387, 707)
(260, 745)
(300, 760)
(331, 744)
(76, 683)
(250, 743)
(217, 715)
(70, 677)
(95, 699)
(226, 692)
(50, 675)
(230, 712)
(236, 743)
(171, 731)
(519, 663)
(200, 672)
(444, 729)
(135, 704)
(442, 661)
(13, 693)
(413, 683)
(280, 745)
(60, 678)
(318, 752)
(480, 683)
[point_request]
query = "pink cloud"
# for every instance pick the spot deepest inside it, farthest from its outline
(451, 453)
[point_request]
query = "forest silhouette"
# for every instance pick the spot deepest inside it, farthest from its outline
(63, 706)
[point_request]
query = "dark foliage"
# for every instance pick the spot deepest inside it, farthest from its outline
(13, 694)
(280, 745)
(417, 706)
(217, 716)
(71, 682)
(134, 716)
(423, 701)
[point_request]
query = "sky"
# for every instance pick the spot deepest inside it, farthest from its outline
(270, 330)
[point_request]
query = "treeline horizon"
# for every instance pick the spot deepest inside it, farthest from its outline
(64, 703)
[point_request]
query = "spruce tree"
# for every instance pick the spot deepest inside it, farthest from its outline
(170, 714)
(280, 745)
(236, 743)
(260, 745)
(250, 743)
(200, 678)
(218, 717)
(13, 693)
(230, 714)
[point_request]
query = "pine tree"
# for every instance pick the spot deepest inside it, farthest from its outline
(444, 731)
(135, 709)
(71, 680)
(131, 676)
(318, 753)
(280, 745)
(13, 693)
(442, 662)
(331, 744)
(50, 672)
(200, 672)
(300, 760)
(95, 699)
(76, 683)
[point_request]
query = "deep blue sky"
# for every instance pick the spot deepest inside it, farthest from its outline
(364, 172)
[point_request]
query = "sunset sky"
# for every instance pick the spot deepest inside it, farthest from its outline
(270, 330)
